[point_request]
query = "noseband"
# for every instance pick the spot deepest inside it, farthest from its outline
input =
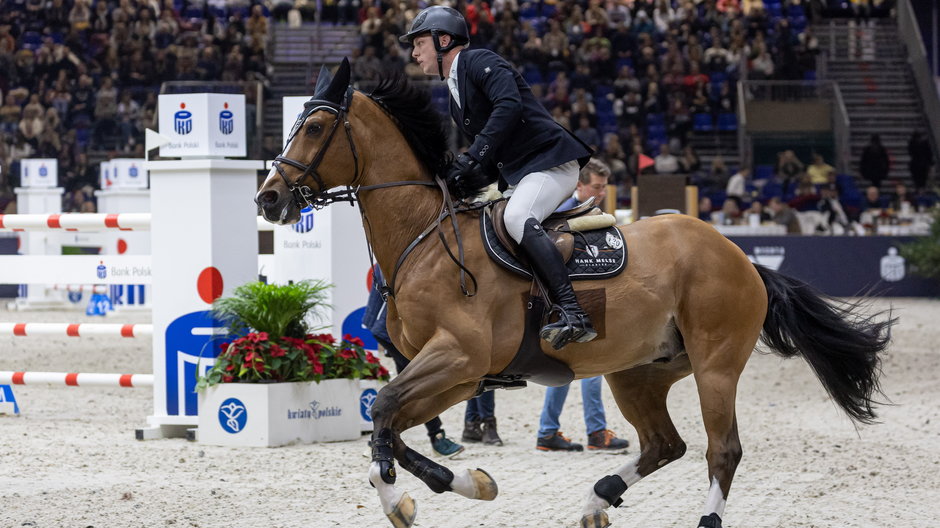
(303, 194)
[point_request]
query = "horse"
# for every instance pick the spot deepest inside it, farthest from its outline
(689, 302)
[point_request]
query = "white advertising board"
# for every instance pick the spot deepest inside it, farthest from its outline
(39, 172)
(202, 125)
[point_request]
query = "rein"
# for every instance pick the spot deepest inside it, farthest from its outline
(320, 198)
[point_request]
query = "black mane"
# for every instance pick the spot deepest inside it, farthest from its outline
(417, 119)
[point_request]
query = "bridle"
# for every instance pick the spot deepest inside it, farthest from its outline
(303, 194)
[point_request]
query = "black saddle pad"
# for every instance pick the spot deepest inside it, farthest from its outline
(598, 254)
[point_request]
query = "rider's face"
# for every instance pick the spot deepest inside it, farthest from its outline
(425, 54)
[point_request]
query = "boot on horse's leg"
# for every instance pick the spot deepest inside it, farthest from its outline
(573, 323)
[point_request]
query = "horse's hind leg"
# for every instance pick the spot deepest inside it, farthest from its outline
(641, 396)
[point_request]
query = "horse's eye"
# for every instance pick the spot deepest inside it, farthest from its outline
(314, 129)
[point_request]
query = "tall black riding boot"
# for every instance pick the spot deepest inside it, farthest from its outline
(573, 323)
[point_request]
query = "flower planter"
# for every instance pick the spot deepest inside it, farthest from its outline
(276, 414)
(367, 392)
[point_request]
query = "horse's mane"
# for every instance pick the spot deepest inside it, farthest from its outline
(422, 125)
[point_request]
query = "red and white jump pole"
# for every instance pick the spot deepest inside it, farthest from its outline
(87, 222)
(75, 379)
(76, 330)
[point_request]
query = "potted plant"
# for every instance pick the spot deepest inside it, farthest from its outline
(278, 383)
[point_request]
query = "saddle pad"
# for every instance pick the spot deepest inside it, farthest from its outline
(598, 254)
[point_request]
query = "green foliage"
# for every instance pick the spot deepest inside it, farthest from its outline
(278, 310)
(924, 254)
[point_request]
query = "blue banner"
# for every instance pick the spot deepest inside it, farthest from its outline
(842, 266)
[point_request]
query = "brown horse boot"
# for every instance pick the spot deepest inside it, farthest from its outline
(472, 431)
(573, 323)
(490, 436)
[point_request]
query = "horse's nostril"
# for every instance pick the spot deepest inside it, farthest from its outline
(267, 197)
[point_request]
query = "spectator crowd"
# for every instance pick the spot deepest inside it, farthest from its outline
(79, 78)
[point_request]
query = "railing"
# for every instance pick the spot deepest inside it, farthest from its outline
(909, 32)
(796, 91)
(848, 42)
(254, 99)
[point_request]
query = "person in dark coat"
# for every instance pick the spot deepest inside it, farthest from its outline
(514, 138)
(875, 162)
(918, 147)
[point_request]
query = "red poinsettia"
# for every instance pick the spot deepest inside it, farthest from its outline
(257, 357)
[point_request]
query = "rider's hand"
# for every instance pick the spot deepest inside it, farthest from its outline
(465, 177)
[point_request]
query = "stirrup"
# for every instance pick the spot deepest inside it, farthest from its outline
(565, 330)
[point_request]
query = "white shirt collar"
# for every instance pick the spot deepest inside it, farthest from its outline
(452, 80)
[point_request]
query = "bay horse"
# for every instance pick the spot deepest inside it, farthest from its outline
(689, 302)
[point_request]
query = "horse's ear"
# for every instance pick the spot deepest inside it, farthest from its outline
(337, 89)
(323, 82)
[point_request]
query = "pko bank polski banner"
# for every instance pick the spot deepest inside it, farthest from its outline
(202, 125)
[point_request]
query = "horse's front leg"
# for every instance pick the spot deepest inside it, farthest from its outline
(440, 376)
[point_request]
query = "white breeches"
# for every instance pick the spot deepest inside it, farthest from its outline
(538, 194)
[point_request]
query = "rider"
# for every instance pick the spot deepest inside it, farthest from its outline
(514, 136)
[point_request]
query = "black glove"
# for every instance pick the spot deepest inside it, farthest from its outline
(465, 177)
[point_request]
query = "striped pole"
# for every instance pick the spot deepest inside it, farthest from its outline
(75, 330)
(75, 379)
(87, 222)
(76, 222)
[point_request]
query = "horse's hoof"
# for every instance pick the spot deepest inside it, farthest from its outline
(485, 485)
(598, 519)
(403, 516)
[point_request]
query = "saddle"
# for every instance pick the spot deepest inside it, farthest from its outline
(592, 247)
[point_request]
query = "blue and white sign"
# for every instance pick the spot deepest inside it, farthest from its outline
(233, 415)
(183, 121)
(8, 403)
(128, 173)
(202, 125)
(226, 121)
(366, 400)
(39, 172)
(305, 225)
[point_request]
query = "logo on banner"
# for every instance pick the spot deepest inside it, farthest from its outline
(892, 266)
(43, 171)
(183, 121)
(102, 270)
(305, 225)
(132, 172)
(233, 415)
(365, 403)
(314, 412)
(226, 121)
(768, 256)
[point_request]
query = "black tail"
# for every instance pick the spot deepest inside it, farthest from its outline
(842, 346)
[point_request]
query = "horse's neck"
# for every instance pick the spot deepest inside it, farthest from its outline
(395, 217)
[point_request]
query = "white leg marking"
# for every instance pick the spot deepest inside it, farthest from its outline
(630, 477)
(463, 484)
(388, 494)
(715, 501)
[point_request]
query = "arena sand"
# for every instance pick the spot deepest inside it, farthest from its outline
(71, 460)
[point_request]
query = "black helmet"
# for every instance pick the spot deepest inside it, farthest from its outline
(436, 20)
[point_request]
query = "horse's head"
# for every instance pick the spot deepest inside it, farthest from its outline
(313, 160)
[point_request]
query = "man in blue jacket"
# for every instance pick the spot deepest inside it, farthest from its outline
(515, 138)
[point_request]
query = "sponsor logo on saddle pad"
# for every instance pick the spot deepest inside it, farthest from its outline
(233, 415)
(314, 412)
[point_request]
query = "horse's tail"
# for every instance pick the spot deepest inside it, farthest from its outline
(842, 346)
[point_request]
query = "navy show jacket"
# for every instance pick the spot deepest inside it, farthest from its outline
(510, 129)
